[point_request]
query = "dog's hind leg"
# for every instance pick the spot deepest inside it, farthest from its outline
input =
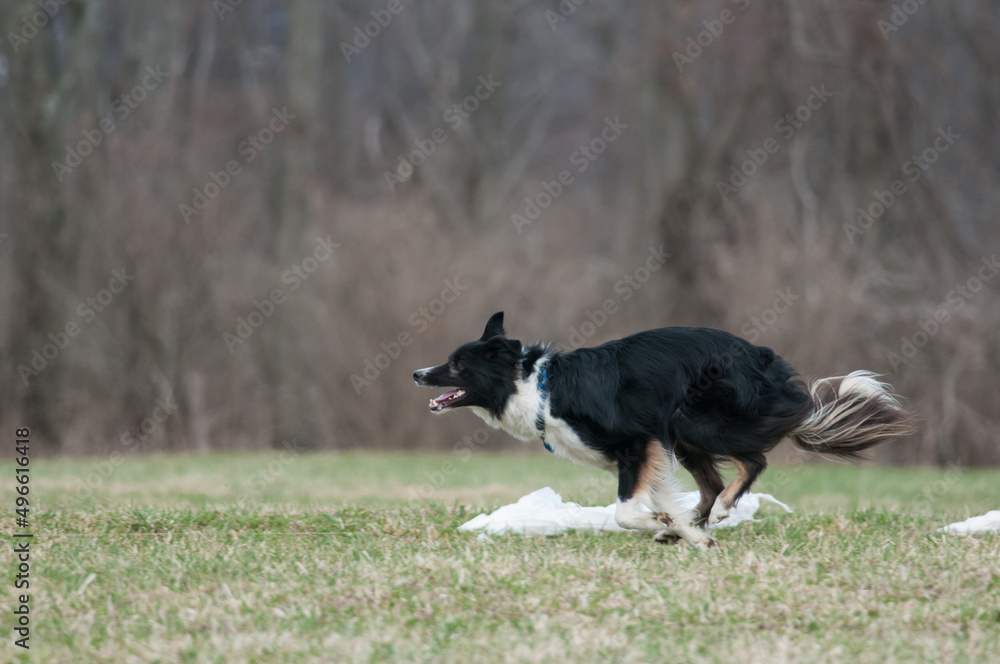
(649, 480)
(748, 466)
(701, 465)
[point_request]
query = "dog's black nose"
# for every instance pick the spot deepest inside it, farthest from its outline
(417, 374)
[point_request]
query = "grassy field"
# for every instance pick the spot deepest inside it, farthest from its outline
(356, 558)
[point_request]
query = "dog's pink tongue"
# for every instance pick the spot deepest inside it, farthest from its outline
(443, 399)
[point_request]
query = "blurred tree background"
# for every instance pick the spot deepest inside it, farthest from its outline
(228, 224)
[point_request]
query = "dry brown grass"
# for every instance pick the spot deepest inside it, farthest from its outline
(160, 565)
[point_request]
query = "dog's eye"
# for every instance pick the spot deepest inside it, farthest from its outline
(457, 366)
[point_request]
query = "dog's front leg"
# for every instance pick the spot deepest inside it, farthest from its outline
(646, 479)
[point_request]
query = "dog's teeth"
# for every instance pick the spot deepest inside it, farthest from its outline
(440, 403)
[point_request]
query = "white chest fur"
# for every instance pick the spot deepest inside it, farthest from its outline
(519, 420)
(566, 443)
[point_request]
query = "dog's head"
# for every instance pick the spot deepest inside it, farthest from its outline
(481, 373)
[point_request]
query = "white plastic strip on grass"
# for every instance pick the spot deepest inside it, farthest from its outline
(543, 512)
(986, 523)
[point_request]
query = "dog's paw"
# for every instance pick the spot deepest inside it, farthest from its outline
(663, 518)
(718, 514)
(701, 540)
(667, 537)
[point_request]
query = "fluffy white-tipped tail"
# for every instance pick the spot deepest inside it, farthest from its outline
(850, 414)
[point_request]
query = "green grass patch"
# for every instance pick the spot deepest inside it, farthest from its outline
(356, 557)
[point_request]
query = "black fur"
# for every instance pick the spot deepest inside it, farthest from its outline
(704, 395)
(718, 394)
(486, 368)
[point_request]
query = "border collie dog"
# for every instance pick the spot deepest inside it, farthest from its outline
(638, 406)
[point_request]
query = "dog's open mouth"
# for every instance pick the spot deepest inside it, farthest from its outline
(446, 400)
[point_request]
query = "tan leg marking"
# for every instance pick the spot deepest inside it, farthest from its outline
(727, 498)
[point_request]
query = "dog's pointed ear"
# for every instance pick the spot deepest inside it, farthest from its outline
(494, 327)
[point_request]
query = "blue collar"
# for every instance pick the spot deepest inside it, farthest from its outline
(543, 392)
